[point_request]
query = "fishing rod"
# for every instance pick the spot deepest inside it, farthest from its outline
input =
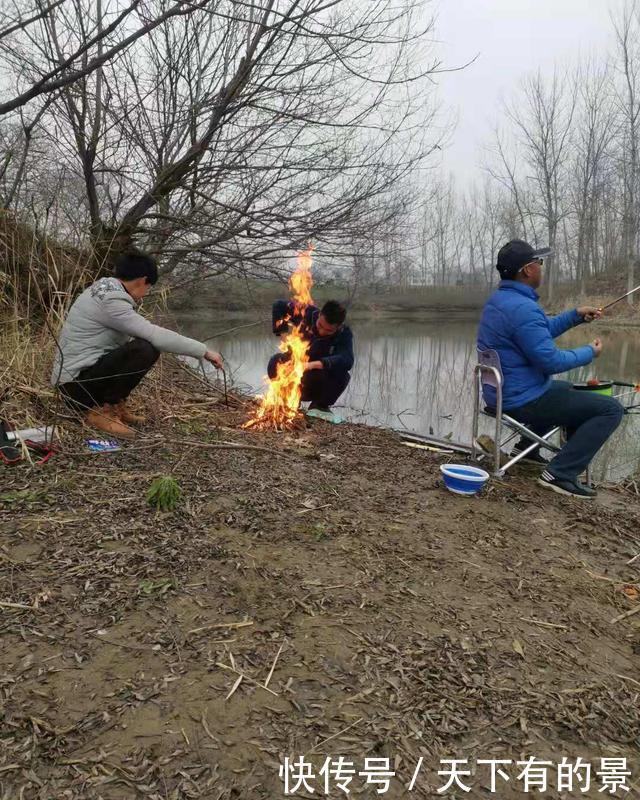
(635, 386)
(613, 302)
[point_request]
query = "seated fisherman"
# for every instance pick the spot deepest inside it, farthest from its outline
(514, 325)
(106, 348)
(330, 351)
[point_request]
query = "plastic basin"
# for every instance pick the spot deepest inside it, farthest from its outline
(462, 479)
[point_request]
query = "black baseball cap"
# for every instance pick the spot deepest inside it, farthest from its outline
(515, 255)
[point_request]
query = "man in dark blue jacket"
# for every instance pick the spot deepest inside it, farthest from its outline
(514, 325)
(330, 354)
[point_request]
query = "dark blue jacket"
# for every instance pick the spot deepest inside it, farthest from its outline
(335, 352)
(514, 325)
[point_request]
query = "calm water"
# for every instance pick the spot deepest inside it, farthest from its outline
(417, 376)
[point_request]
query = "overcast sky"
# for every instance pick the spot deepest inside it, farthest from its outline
(512, 38)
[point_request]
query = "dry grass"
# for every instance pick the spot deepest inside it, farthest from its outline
(26, 352)
(37, 273)
(27, 340)
(39, 278)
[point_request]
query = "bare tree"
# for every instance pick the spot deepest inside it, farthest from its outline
(504, 164)
(627, 28)
(542, 118)
(228, 135)
(595, 130)
(485, 229)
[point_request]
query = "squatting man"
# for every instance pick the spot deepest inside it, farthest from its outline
(330, 353)
(106, 347)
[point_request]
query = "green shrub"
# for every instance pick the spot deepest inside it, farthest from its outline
(164, 493)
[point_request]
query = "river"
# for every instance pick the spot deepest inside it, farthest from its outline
(416, 376)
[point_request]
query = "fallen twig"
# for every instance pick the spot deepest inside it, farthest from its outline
(215, 625)
(335, 735)
(18, 605)
(626, 614)
(246, 677)
(315, 508)
(235, 686)
(207, 729)
(239, 446)
(608, 580)
(418, 446)
(545, 624)
(627, 678)
(124, 645)
(273, 666)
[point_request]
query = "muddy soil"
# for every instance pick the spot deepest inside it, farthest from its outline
(321, 595)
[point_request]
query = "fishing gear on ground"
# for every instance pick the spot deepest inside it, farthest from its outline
(13, 444)
(606, 388)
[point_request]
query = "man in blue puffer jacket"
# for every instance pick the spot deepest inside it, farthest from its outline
(514, 325)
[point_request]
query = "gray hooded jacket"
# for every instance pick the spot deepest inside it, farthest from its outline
(103, 318)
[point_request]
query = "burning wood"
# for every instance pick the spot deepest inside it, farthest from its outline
(279, 407)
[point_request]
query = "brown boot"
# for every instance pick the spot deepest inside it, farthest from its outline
(106, 420)
(126, 415)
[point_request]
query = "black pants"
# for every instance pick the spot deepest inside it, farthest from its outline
(321, 387)
(113, 377)
(589, 419)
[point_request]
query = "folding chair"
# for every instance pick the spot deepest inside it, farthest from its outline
(488, 372)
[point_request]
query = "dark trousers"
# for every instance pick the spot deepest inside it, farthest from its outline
(322, 387)
(589, 420)
(113, 377)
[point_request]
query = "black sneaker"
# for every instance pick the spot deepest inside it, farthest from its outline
(316, 407)
(534, 457)
(569, 488)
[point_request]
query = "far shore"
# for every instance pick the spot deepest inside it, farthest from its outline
(235, 300)
(424, 316)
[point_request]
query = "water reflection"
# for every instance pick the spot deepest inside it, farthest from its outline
(417, 376)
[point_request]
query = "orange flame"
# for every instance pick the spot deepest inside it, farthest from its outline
(279, 406)
(300, 281)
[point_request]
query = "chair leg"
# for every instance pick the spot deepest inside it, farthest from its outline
(475, 421)
(497, 467)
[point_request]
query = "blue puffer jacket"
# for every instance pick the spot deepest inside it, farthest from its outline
(514, 325)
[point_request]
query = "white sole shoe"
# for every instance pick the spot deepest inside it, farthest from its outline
(555, 487)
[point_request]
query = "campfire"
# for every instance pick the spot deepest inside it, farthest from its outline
(279, 407)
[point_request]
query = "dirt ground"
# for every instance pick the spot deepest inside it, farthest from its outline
(387, 619)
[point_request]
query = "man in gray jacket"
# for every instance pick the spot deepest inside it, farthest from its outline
(106, 347)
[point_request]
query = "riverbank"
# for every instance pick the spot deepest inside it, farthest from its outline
(385, 617)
